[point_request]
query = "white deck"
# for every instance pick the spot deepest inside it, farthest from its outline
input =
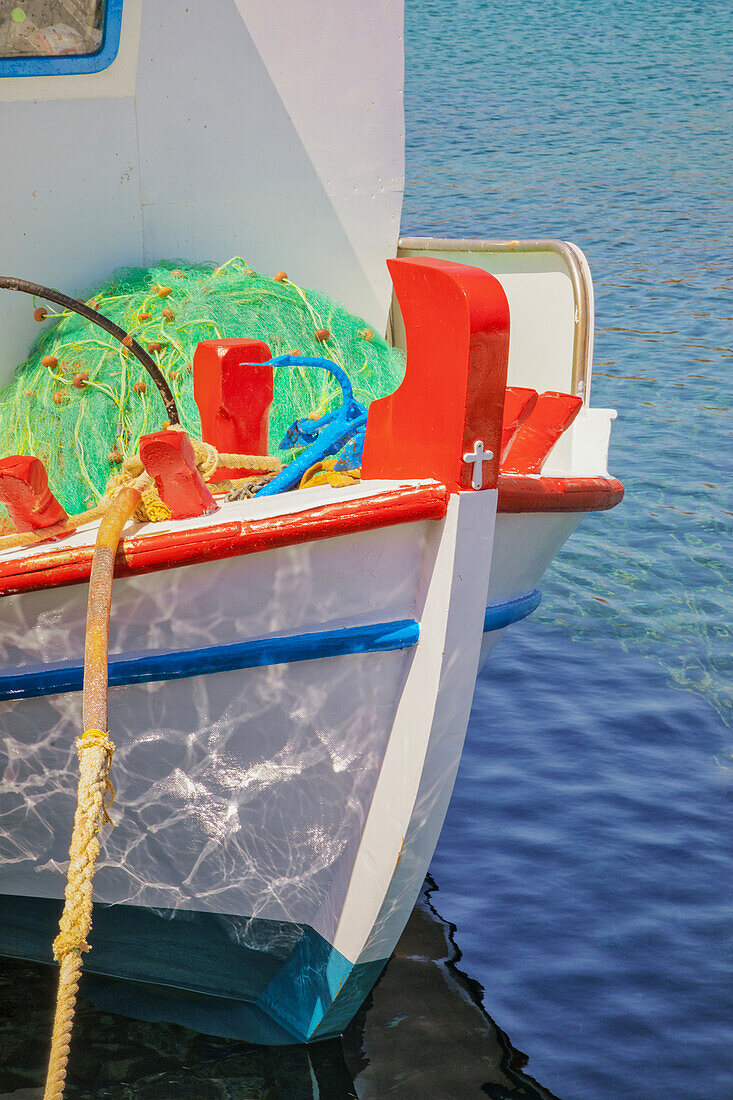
(238, 511)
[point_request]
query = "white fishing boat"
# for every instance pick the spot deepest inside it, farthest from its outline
(291, 674)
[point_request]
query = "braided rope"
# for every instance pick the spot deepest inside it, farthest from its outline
(95, 757)
(95, 750)
(151, 509)
(269, 464)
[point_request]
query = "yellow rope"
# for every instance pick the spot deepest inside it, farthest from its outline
(95, 750)
(95, 756)
(269, 464)
(151, 508)
(325, 473)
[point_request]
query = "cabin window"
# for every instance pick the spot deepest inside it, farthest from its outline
(58, 37)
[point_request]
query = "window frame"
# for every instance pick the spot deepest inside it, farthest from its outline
(73, 64)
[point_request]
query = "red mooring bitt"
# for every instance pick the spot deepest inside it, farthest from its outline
(25, 493)
(452, 396)
(169, 458)
(234, 398)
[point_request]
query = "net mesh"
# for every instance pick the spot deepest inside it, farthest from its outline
(82, 427)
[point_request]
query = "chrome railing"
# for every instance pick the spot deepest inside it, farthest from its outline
(578, 273)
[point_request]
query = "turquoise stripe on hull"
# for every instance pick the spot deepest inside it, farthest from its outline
(145, 668)
(192, 968)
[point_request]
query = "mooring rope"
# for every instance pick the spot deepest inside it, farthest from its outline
(151, 508)
(127, 493)
(95, 750)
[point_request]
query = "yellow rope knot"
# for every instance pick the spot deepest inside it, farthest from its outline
(100, 739)
(68, 941)
(151, 508)
(94, 785)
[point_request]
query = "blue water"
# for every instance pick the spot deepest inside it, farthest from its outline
(586, 857)
(585, 861)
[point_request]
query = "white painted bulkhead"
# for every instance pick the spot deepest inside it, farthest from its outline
(223, 128)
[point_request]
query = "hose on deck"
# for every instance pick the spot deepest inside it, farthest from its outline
(95, 757)
(11, 282)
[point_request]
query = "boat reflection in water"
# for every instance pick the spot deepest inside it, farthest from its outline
(423, 1034)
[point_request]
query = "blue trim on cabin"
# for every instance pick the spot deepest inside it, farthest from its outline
(504, 614)
(145, 668)
(73, 64)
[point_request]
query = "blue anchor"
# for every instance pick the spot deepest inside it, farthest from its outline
(325, 436)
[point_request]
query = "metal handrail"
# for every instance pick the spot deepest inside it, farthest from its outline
(579, 278)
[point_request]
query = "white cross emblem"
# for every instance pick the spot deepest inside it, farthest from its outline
(478, 456)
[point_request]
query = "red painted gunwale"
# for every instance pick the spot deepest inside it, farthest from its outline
(518, 493)
(150, 552)
(539, 493)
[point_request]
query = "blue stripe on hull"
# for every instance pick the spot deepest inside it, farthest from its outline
(145, 668)
(504, 614)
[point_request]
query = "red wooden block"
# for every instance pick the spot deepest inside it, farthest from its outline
(25, 493)
(525, 494)
(551, 416)
(452, 396)
(518, 404)
(169, 458)
(233, 398)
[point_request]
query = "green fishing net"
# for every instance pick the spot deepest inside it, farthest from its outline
(82, 431)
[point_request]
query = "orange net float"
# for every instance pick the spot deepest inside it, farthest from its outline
(74, 305)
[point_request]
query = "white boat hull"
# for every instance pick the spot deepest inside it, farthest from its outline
(291, 680)
(284, 815)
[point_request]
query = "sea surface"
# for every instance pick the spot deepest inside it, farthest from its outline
(574, 938)
(586, 856)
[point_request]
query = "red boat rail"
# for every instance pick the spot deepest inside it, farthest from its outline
(453, 420)
(537, 493)
(148, 553)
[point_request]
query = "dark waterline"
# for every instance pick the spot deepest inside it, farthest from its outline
(585, 858)
(399, 1044)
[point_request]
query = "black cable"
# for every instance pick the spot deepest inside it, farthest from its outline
(9, 282)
